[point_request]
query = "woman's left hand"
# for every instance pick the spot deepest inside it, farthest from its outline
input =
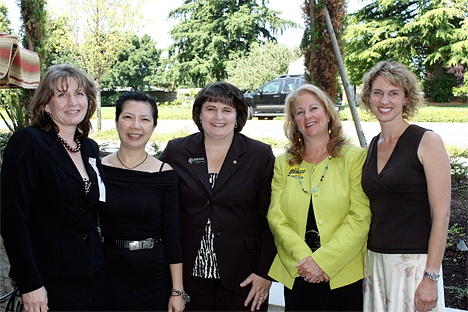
(308, 269)
(259, 291)
(426, 296)
(176, 304)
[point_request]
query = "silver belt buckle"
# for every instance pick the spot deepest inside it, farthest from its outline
(135, 245)
(148, 243)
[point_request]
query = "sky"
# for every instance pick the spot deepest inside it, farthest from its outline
(158, 26)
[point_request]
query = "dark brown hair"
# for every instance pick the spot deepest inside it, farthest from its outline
(222, 92)
(137, 96)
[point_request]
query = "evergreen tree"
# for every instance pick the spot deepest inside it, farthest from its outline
(212, 31)
(136, 65)
(426, 35)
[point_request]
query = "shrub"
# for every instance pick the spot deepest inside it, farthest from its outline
(461, 92)
(440, 89)
(459, 165)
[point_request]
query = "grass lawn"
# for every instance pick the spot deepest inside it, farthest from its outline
(425, 114)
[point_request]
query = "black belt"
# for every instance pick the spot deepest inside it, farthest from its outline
(134, 245)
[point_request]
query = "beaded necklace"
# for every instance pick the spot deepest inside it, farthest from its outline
(133, 166)
(315, 188)
(68, 147)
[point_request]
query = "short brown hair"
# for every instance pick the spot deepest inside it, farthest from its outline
(222, 92)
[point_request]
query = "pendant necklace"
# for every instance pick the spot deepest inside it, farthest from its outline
(315, 188)
(133, 166)
(68, 147)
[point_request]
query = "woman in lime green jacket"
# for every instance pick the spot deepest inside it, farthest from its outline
(319, 214)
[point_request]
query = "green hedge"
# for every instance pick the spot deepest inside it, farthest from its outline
(425, 114)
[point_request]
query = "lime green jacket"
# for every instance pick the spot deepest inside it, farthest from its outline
(341, 210)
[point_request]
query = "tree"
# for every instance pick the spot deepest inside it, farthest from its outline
(5, 24)
(264, 62)
(60, 43)
(98, 33)
(319, 58)
(426, 35)
(34, 17)
(212, 31)
(136, 64)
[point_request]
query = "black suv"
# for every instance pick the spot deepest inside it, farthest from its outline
(268, 100)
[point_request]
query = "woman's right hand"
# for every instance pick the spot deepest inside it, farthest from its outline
(35, 301)
(308, 269)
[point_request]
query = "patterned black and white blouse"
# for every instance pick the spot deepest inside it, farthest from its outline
(206, 264)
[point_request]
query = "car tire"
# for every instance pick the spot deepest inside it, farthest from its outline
(249, 112)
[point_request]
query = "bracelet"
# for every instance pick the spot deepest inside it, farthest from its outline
(182, 293)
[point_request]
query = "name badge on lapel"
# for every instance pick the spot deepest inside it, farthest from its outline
(102, 187)
(196, 161)
(296, 172)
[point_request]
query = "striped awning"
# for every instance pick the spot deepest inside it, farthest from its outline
(19, 67)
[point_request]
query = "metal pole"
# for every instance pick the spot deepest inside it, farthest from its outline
(344, 79)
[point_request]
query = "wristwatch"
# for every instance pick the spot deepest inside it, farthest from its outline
(432, 276)
(182, 293)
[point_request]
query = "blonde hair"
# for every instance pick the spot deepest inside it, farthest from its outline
(397, 75)
(296, 144)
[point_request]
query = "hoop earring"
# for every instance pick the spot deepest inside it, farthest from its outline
(235, 127)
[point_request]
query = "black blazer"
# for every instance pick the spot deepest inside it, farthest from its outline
(237, 205)
(48, 223)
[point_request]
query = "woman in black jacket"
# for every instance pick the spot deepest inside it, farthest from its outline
(51, 185)
(225, 185)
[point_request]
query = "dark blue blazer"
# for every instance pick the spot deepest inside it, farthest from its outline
(237, 205)
(48, 223)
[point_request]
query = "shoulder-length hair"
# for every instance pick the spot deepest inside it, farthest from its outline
(59, 75)
(222, 92)
(397, 75)
(296, 143)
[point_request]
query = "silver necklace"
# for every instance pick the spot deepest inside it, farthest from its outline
(133, 166)
(315, 188)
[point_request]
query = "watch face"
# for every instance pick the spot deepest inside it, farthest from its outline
(432, 276)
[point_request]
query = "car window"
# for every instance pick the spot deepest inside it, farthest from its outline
(271, 87)
(298, 83)
(289, 85)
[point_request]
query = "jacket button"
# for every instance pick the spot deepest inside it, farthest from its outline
(208, 202)
(218, 233)
(84, 237)
(83, 209)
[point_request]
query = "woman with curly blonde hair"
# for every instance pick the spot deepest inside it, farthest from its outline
(407, 179)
